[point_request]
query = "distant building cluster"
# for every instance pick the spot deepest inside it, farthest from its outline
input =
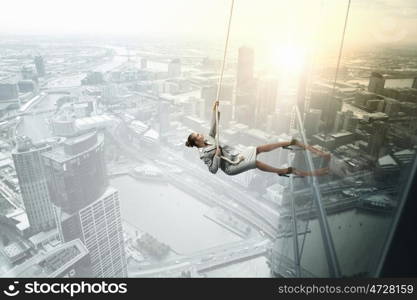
(72, 212)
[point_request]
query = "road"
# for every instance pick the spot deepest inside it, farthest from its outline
(208, 259)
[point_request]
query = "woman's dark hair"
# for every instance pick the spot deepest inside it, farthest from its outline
(190, 141)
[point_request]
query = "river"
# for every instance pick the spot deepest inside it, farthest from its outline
(35, 126)
(170, 215)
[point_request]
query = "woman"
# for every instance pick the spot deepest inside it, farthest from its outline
(231, 162)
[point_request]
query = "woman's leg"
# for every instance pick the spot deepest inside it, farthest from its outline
(270, 147)
(267, 168)
(325, 155)
(318, 172)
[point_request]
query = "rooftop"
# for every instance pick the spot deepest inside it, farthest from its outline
(14, 250)
(51, 263)
(386, 161)
(43, 236)
(59, 154)
(341, 134)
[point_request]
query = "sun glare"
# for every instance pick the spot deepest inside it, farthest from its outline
(288, 59)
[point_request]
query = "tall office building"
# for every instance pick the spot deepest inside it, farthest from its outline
(376, 83)
(338, 122)
(164, 118)
(8, 90)
(245, 114)
(209, 93)
(378, 138)
(246, 97)
(319, 100)
(40, 65)
(266, 99)
(26, 86)
(392, 107)
(245, 67)
(334, 105)
(245, 82)
(143, 63)
(86, 207)
(312, 122)
(302, 88)
(29, 73)
(30, 172)
(348, 123)
(200, 108)
(174, 68)
(226, 112)
(279, 122)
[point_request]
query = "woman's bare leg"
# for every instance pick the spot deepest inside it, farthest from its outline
(318, 172)
(325, 155)
(270, 147)
(267, 168)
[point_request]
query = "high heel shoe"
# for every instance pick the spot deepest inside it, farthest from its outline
(290, 170)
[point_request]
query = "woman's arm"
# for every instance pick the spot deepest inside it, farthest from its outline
(214, 162)
(213, 128)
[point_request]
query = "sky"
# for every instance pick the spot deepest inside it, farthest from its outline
(272, 23)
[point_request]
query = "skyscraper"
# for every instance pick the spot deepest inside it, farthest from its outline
(28, 72)
(143, 63)
(338, 122)
(40, 65)
(376, 83)
(334, 104)
(378, 138)
(226, 111)
(30, 171)
(319, 100)
(244, 114)
(245, 67)
(266, 99)
(245, 83)
(209, 93)
(392, 107)
(200, 110)
(8, 90)
(164, 118)
(312, 122)
(348, 124)
(26, 86)
(86, 207)
(174, 68)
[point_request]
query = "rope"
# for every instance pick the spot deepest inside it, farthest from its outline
(219, 87)
(337, 68)
(219, 83)
(313, 62)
